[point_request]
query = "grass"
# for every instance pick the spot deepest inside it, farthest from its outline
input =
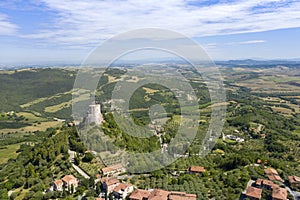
(282, 110)
(262, 84)
(58, 107)
(31, 117)
(92, 168)
(42, 126)
(280, 79)
(26, 105)
(8, 153)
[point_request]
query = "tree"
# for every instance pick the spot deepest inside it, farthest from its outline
(88, 157)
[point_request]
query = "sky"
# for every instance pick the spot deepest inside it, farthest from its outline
(56, 31)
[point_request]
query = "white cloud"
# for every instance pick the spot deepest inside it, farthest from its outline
(253, 42)
(6, 27)
(248, 42)
(85, 22)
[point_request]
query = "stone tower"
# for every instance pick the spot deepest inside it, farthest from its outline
(94, 114)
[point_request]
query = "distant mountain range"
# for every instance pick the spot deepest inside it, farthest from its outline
(244, 62)
(250, 62)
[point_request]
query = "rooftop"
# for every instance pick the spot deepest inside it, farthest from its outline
(68, 178)
(270, 170)
(253, 192)
(279, 193)
(294, 179)
(112, 168)
(198, 169)
(122, 187)
(139, 194)
(110, 181)
(157, 194)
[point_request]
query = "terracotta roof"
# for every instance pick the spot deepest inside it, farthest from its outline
(98, 176)
(139, 194)
(294, 179)
(68, 178)
(110, 181)
(159, 195)
(279, 193)
(253, 192)
(122, 186)
(273, 177)
(198, 169)
(271, 171)
(182, 196)
(268, 183)
(112, 168)
(58, 182)
(258, 181)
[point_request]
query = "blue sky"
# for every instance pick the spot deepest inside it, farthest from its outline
(55, 31)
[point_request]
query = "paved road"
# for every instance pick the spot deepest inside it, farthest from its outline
(250, 182)
(78, 169)
(295, 194)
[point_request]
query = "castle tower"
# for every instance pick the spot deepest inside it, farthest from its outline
(94, 114)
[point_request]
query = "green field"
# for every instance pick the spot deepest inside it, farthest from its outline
(8, 152)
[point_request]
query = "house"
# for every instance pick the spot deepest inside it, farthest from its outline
(139, 195)
(69, 181)
(58, 185)
(182, 196)
(196, 169)
(270, 171)
(157, 194)
(112, 170)
(110, 184)
(279, 193)
(294, 180)
(122, 190)
(98, 178)
(258, 182)
(253, 193)
(273, 175)
(266, 184)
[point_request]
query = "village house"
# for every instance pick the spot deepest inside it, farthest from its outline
(108, 185)
(69, 181)
(58, 185)
(139, 195)
(273, 175)
(265, 184)
(113, 170)
(157, 194)
(253, 193)
(294, 180)
(279, 193)
(270, 170)
(98, 178)
(196, 169)
(122, 190)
